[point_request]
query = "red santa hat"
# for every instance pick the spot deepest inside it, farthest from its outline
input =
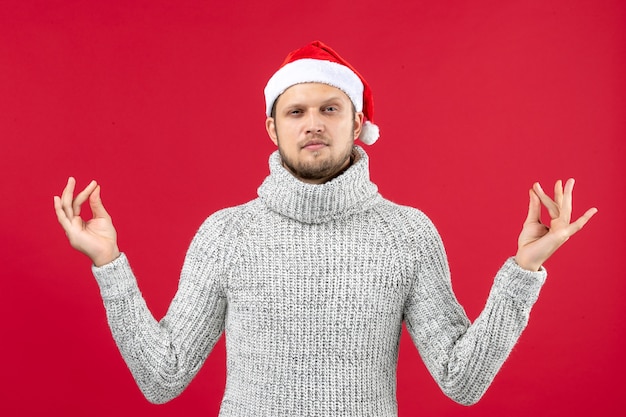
(318, 63)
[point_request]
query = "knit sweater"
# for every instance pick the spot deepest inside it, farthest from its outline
(311, 284)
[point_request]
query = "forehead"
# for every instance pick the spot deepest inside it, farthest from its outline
(311, 92)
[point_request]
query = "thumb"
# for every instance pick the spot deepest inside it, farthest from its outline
(95, 202)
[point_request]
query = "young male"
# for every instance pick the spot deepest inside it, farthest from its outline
(312, 281)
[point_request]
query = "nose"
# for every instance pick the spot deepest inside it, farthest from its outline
(315, 124)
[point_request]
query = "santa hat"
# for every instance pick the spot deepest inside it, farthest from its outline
(318, 63)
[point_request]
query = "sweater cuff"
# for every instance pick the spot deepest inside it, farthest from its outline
(116, 278)
(519, 284)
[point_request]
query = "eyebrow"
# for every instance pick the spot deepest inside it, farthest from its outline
(332, 99)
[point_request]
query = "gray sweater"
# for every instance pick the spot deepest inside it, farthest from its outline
(311, 284)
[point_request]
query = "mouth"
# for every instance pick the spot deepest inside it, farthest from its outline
(314, 145)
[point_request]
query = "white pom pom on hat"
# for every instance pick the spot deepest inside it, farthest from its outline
(318, 63)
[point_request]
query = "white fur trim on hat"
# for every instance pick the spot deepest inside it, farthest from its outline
(314, 71)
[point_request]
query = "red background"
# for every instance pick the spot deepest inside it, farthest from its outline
(162, 103)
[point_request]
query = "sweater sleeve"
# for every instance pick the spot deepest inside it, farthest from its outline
(464, 357)
(165, 356)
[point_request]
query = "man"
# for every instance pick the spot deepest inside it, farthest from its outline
(312, 280)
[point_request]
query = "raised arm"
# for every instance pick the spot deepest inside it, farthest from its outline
(95, 238)
(164, 355)
(464, 357)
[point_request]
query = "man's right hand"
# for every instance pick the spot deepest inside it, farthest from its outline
(95, 238)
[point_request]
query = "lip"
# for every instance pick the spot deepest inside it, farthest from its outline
(314, 145)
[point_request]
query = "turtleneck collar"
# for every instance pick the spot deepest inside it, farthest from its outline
(347, 194)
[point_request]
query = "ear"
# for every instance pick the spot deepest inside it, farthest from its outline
(270, 126)
(358, 124)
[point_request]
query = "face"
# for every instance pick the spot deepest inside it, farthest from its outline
(314, 127)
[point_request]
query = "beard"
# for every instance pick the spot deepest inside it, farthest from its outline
(321, 168)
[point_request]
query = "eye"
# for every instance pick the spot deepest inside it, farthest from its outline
(294, 112)
(330, 109)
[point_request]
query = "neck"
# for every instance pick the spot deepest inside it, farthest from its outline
(349, 193)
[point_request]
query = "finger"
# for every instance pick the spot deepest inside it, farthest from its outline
(82, 197)
(566, 206)
(558, 193)
(582, 220)
(67, 196)
(549, 204)
(95, 202)
(61, 216)
(534, 208)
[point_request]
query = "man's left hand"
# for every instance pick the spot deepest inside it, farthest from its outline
(537, 241)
